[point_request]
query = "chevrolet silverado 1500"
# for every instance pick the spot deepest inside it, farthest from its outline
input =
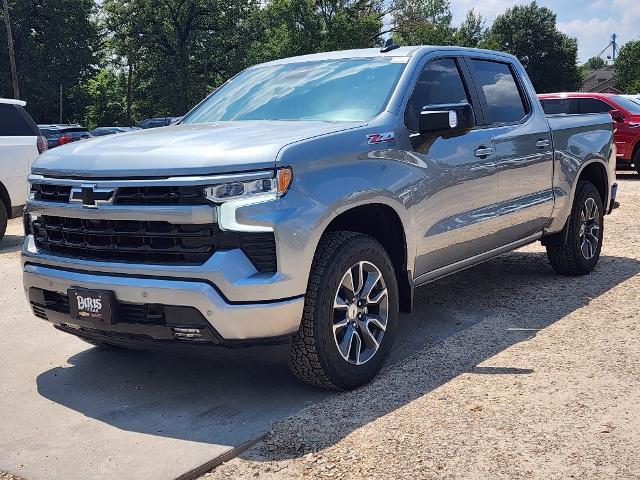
(303, 201)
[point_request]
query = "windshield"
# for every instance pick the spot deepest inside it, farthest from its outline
(329, 90)
(628, 104)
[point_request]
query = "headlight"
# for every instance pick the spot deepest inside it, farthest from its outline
(274, 186)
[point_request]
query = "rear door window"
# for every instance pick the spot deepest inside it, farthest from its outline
(440, 83)
(557, 106)
(14, 122)
(593, 105)
(504, 101)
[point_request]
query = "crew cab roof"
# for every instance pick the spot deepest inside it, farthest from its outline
(407, 51)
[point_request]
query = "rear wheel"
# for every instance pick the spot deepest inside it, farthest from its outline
(350, 314)
(636, 160)
(580, 254)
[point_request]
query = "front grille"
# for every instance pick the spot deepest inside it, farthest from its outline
(50, 193)
(153, 195)
(148, 242)
(171, 195)
(125, 240)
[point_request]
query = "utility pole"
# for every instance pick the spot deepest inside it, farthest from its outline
(12, 57)
(61, 103)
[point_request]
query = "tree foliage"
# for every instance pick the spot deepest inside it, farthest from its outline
(55, 44)
(423, 22)
(594, 63)
(472, 31)
(530, 33)
(627, 68)
(120, 61)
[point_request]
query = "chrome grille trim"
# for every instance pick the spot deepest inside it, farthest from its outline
(198, 214)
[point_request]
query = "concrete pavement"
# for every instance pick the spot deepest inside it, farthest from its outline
(72, 411)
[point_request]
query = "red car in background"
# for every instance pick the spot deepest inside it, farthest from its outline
(624, 111)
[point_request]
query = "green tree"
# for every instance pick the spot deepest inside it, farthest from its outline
(594, 63)
(423, 22)
(472, 31)
(627, 67)
(178, 48)
(297, 27)
(55, 44)
(106, 93)
(530, 33)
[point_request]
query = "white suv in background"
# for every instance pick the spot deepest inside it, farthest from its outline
(20, 145)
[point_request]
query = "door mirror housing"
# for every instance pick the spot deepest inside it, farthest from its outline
(446, 118)
(617, 116)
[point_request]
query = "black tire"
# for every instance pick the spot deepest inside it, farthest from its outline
(314, 356)
(636, 160)
(3, 220)
(570, 259)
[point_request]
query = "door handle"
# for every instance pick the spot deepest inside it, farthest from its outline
(542, 143)
(483, 151)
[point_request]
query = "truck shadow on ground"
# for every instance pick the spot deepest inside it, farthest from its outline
(507, 300)
(11, 243)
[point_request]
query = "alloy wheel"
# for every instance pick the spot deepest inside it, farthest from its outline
(360, 313)
(589, 228)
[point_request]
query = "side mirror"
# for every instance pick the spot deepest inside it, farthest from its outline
(617, 116)
(446, 118)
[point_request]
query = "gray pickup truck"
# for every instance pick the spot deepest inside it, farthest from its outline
(301, 203)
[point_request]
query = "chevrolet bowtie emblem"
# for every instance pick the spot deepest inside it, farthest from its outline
(90, 196)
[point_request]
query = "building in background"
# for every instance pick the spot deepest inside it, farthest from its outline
(600, 81)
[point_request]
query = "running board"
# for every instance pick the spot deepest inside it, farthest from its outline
(472, 261)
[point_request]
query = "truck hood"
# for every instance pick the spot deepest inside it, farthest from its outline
(197, 149)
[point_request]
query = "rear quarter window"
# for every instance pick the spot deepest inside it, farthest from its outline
(15, 122)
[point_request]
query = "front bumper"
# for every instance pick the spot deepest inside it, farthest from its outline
(231, 322)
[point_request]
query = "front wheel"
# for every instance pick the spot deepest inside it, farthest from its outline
(350, 313)
(580, 254)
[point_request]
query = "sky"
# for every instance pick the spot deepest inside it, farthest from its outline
(590, 21)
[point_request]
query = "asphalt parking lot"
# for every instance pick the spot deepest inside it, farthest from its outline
(505, 370)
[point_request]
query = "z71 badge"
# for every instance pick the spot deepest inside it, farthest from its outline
(375, 138)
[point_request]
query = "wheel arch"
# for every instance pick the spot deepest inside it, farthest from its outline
(596, 173)
(378, 219)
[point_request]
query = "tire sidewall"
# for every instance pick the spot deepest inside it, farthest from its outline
(3, 220)
(586, 191)
(342, 373)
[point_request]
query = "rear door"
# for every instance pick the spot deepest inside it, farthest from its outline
(18, 150)
(524, 152)
(459, 185)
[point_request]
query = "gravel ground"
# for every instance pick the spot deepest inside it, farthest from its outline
(546, 386)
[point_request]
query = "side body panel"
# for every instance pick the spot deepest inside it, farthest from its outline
(578, 141)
